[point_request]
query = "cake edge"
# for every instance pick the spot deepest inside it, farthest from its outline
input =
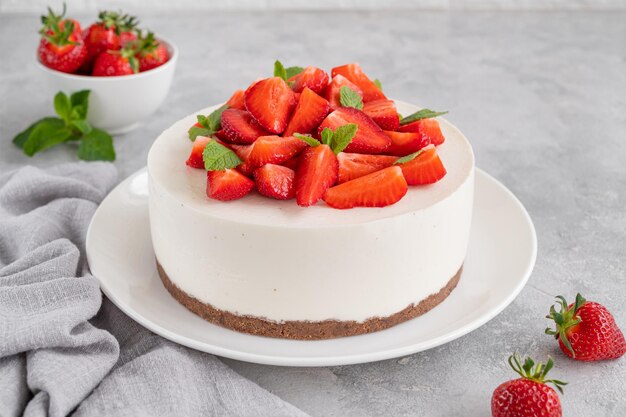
(303, 330)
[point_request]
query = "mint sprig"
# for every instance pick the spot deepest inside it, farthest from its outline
(285, 73)
(349, 98)
(218, 157)
(71, 125)
(337, 140)
(378, 84)
(209, 124)
(422, 114)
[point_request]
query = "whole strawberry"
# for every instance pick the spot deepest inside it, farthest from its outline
(528, 396)
(586, 330)
(114, 63)
(152, 53)
(61, 47)
(110, 32)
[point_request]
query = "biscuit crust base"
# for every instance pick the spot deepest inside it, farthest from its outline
(304, 330)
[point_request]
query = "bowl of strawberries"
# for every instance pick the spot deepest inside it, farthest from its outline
(129, 71)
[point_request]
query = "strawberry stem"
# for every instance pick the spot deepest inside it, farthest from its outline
(565, 319)
(535, 372)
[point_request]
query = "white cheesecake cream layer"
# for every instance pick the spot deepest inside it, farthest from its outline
(277, 261)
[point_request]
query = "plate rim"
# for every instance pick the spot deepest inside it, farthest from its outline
(336, 360)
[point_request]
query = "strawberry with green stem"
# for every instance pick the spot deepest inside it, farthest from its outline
(152, 53)
(528, 396)
(586, 330)
(61, 47)
(111, 32)
(114, 63)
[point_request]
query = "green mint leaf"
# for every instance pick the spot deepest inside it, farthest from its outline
(408, 158)
(218, 157)
(203, 120)
(349, 98)
(214, 121)
(80, 104)
(63, 106)
(96, 145)
(46, 134)
(422, 114)
(83, 126)
(196, 131)
(327, 136)
(400, 116)
(279, 70)
(293, 71)
(342, 137)
(22, 137)
(308, 139)
(378, 84)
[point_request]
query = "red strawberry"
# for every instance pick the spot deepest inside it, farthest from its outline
(309, 113)
(428, 128)
(274, 150)
(354, 73)
(528, 396)
(369, 137)
(586, 330)
(106, 33)
(378, 189)
(240, 127)
(243, 152)
(311, 77)
(236, 101)
(383, 112)
(316, 172)
(425, 168)
(227, 185)
(332, 93)
(270, 102)
(195, 159)
(127, 36)
(292, 163)
(404, 143)
(355, 165)
(114, 63)
(152, 53)
(275, 181)
(219, 134)
(61, 47)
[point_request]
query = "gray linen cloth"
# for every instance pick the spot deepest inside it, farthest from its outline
(65, 349)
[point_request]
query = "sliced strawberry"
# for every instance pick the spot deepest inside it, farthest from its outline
(220, 134)
(311, 77)
(354, 73)
(426, 168)
(378, 189)
(240, 127)
(369, 137)
(275, 181)
(236, 101)
(292, 163)
(428, 128)
(355, 165)
(243, 152)
(309, 113)
(270, 102)
(332, 92)
(227, 185)
(195, 158)
(274, 150)
(383, 112)
(316, 173)
(404, 143)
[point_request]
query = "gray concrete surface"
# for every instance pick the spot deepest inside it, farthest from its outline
(542, 97)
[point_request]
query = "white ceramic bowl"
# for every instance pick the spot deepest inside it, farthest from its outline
(119, 104)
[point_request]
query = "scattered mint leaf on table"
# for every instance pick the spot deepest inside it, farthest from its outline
(71, 125)
(422, 114)
(349, 98)
(218, 157)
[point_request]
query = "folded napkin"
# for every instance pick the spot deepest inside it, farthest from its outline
(64, 349)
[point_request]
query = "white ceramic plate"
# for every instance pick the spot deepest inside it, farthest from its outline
(501, 256)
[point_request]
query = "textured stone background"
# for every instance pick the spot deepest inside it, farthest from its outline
(542, 97)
